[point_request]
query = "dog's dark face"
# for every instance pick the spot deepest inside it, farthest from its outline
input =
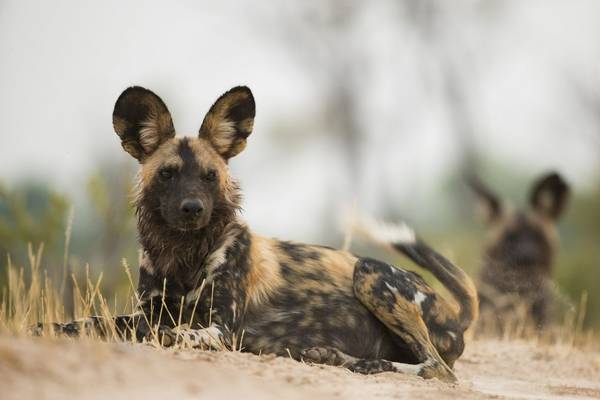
(524, 239)
(186, 180)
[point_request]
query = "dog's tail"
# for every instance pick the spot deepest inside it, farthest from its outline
(402, 238)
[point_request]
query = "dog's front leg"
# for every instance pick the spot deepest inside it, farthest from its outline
(213, 317)
(219, 310)
(218, 305)
(123, 327)
(214, 310)
(208, 316)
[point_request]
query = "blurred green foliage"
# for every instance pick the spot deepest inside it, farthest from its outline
(106, 234)
(111, 215)
(31, 213)
(578, 265)
(101, 236)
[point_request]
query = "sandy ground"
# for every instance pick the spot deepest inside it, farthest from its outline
(64, 369)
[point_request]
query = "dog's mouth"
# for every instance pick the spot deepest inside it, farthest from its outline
(190, 225)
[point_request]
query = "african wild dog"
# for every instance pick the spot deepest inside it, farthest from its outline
(516, 279)
(235, 287)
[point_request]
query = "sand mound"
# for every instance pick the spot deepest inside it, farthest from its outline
(65, 369)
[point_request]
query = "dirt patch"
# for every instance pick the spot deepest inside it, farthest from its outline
(65, 369)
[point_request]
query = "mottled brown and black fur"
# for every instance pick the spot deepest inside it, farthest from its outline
(516, 278)
(264, 295)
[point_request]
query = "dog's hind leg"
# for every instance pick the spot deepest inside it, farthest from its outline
(390, 295)
(331, 356)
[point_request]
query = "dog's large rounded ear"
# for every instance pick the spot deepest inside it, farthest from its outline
(229, 122)
(489, 205)
(142, 121)
(549, 195)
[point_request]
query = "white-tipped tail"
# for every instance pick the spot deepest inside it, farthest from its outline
(402, 239)
(380, 232)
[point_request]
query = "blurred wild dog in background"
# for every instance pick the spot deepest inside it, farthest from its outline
(515, 285)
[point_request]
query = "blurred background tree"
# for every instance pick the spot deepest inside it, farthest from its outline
(31, 214)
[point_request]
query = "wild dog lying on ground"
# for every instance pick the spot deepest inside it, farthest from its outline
(263, 295)
(517, 271)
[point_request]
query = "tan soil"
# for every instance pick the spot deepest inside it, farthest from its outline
(63, 369)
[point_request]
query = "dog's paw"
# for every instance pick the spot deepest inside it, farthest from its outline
(165, 335)
(367, 367)
(207, 338)
(74, 329)
(40, 329)
(37, 329)
(437, 370)
(324, 355)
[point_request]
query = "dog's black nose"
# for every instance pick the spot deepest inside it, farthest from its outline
(191, 207)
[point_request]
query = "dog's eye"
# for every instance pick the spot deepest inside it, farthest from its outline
(166, 173)
(211, 175)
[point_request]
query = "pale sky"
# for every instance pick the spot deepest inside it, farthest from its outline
(63, 64)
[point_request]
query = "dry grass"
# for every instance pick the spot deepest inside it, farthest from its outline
(517, 326)
(31, 296)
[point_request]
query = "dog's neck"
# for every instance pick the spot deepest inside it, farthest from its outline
(512, 277)
(173, 252)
